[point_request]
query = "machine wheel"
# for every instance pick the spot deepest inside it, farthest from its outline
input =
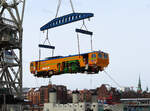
(101, 69)
(51, 72)
(96, 70)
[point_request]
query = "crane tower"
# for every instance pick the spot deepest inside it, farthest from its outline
(11, 34)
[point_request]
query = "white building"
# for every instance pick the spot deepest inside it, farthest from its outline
(75, 106)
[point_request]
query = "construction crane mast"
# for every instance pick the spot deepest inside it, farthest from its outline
(11, 34)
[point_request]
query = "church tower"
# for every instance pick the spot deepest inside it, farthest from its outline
(139, 89)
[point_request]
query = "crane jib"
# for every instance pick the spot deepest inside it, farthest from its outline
(66, 19)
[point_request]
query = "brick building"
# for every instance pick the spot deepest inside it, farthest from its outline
(30, 95)
(36, 97)
(108, 94)
(85, 95)
(61, 94)
(39, 96)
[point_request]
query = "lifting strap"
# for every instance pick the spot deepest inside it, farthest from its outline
(46, 46)
(83, 32)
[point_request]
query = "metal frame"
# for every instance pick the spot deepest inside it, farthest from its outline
(46, 46)
(73, 17)
(84, 32)
(11, 73)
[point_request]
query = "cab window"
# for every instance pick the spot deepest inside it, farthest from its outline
(93, 55)
(31, 64)
(105, 56)
(100, 55)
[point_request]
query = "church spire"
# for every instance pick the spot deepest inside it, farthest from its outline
(139, 85)
(147, 89)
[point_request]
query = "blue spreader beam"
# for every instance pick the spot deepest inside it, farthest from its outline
(46, 46)
(66, 19)
(84, 32)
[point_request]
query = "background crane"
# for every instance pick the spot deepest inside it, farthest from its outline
(11, 34)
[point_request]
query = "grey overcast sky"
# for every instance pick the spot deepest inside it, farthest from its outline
(121, 28)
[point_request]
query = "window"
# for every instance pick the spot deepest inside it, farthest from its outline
(32, 65)
(105, 56)
(93, 55)
(100, 55)
(87, 105)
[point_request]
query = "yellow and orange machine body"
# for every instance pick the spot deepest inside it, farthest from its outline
(90, 63)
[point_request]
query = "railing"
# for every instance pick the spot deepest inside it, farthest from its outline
(8, 22)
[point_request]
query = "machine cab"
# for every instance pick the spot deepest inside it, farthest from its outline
(102, 60)
(33, 67)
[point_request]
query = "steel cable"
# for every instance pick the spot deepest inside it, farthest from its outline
(112, 79)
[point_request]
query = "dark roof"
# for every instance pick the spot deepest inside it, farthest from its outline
(58, 57)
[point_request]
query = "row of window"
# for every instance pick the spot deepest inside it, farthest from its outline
(100, 55)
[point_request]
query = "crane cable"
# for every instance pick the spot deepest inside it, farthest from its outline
(72, 6)
(59, 4)
(78, 44)
(113, 79)
(58, 7)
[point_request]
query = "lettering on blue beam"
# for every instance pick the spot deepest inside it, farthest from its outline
(66, 19)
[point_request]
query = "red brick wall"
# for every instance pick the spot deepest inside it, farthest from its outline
(85, 95)
(30, 95)
(102, 92)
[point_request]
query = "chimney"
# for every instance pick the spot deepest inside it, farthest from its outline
(94, 97)
(52, 96)
(75, 96)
